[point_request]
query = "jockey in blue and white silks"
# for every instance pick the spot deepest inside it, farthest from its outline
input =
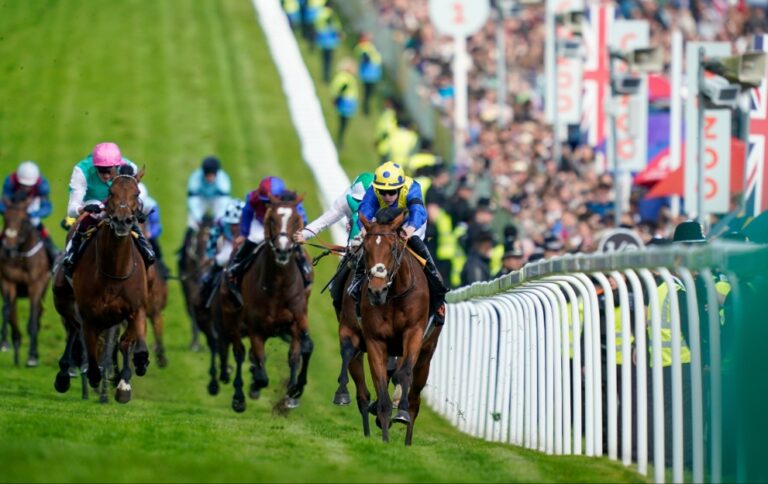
(208, 191)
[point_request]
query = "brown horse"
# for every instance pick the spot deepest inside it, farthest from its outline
(209, 320)
(275, 305)
(193, 263)
(24, 270)
(110, 285)
(394, 307)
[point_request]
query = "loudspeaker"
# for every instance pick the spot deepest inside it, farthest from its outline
(646, 59)
(572, 20)
(747, 69)
(721, 93)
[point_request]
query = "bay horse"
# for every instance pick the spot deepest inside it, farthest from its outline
(157, 298)
(193, 262)
(24, 270)
(209, 320)
(394, 310)
(275, 304)
(110, 285)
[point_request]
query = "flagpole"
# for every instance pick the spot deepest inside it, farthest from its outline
(676, 113)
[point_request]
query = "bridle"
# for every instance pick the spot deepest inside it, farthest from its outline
(123, 205)
(23, 234)
(397, 255)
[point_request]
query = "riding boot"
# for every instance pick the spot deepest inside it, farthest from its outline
(236, 268)
(182, 252)
(304, 267)
(145, 248)
(337, 286)
(208, 284)
(73, 253)
(356, 286)
(162, 269)
(437, 288)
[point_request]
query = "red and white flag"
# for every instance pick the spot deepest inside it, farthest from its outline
(757, 159)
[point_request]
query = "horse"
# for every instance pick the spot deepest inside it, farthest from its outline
(24, 270)
(209, 320)
(110, 286)
(394, 310)
(192, 264)
(275, 304)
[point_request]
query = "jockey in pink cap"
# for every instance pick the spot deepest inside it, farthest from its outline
(88, 189)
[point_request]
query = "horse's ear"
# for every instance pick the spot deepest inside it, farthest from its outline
(300, 198)
(273, 200)
(140, 174)
(398, 221)
(366, 223)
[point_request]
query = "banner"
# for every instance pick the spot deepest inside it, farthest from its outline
(711, 49)
(757, 159)
(631, 111)
(717, 160)
(568, 70)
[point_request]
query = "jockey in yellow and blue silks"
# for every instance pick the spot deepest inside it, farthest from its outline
(391, 188)
(88, 189)
(27, 183)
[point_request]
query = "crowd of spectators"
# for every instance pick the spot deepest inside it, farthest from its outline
(565, 202)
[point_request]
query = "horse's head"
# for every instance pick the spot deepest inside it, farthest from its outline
(123, 205)
(17, 227)
(383, 252)
(281, 221)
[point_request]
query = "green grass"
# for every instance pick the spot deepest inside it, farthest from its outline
(172, 81)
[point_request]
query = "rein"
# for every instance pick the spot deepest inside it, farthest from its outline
(398, 258)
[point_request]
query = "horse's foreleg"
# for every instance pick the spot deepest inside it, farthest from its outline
(123, 391)
(4, 329)
(91, 343)
(420, 377)
(403, 377)
(33, 324)
(306, 346)
(347, 350)
(258, 366)
(157, 328)
(9, 315)
(238, 400)
(137, 336)
(61, 384)
(377, 361)
(363, 395)
(213, 345)
(223, 348)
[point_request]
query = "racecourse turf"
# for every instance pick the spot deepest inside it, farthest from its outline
(172, 81)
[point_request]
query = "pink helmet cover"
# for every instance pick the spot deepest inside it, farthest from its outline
(107, 154)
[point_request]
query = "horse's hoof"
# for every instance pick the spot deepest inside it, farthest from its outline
(295, 392)
(122, 396)
(402, 417)
(373, 408)
(103, 399)
(342, 398)
(4, 347)
(61, 384)
(32, 362)
(72, 372)
(141, 362)
(194, 346)
(291, 402)
(224, 378)
(162, 361)
(254, 394)
(213, 387)
(238, 405)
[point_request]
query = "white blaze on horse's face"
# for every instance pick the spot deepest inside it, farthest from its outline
(379, 271)
(283, 240)
(11, 233)
(378, 240)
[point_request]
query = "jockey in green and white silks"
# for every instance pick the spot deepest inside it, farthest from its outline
(89, 189)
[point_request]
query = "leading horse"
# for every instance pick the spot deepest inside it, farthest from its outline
(110, 285)
(24, 270)
(394, 310)
(275, 304)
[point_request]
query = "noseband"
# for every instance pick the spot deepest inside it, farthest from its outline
(123, 205)
(397, 255)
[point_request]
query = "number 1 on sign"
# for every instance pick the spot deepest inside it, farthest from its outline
(458, 13)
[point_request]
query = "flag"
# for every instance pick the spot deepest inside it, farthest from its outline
(757, 159)
(596, 74)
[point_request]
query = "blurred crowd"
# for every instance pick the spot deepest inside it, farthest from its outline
(531, 202)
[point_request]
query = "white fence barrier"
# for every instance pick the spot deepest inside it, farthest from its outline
(531, 358)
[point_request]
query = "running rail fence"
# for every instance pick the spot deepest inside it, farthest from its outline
(531, 359)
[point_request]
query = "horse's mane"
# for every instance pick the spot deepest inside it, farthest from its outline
(287, 196)
(387, 214)
(18, 197)
(126, 169)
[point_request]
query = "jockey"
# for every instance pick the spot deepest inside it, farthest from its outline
(208, 190)
(88, 189)
(220, 246)
(153, 228)
(252, 232)
(391, 188)
(344, 206)
(26, 182)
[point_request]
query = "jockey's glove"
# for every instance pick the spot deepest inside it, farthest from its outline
(141, 218)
